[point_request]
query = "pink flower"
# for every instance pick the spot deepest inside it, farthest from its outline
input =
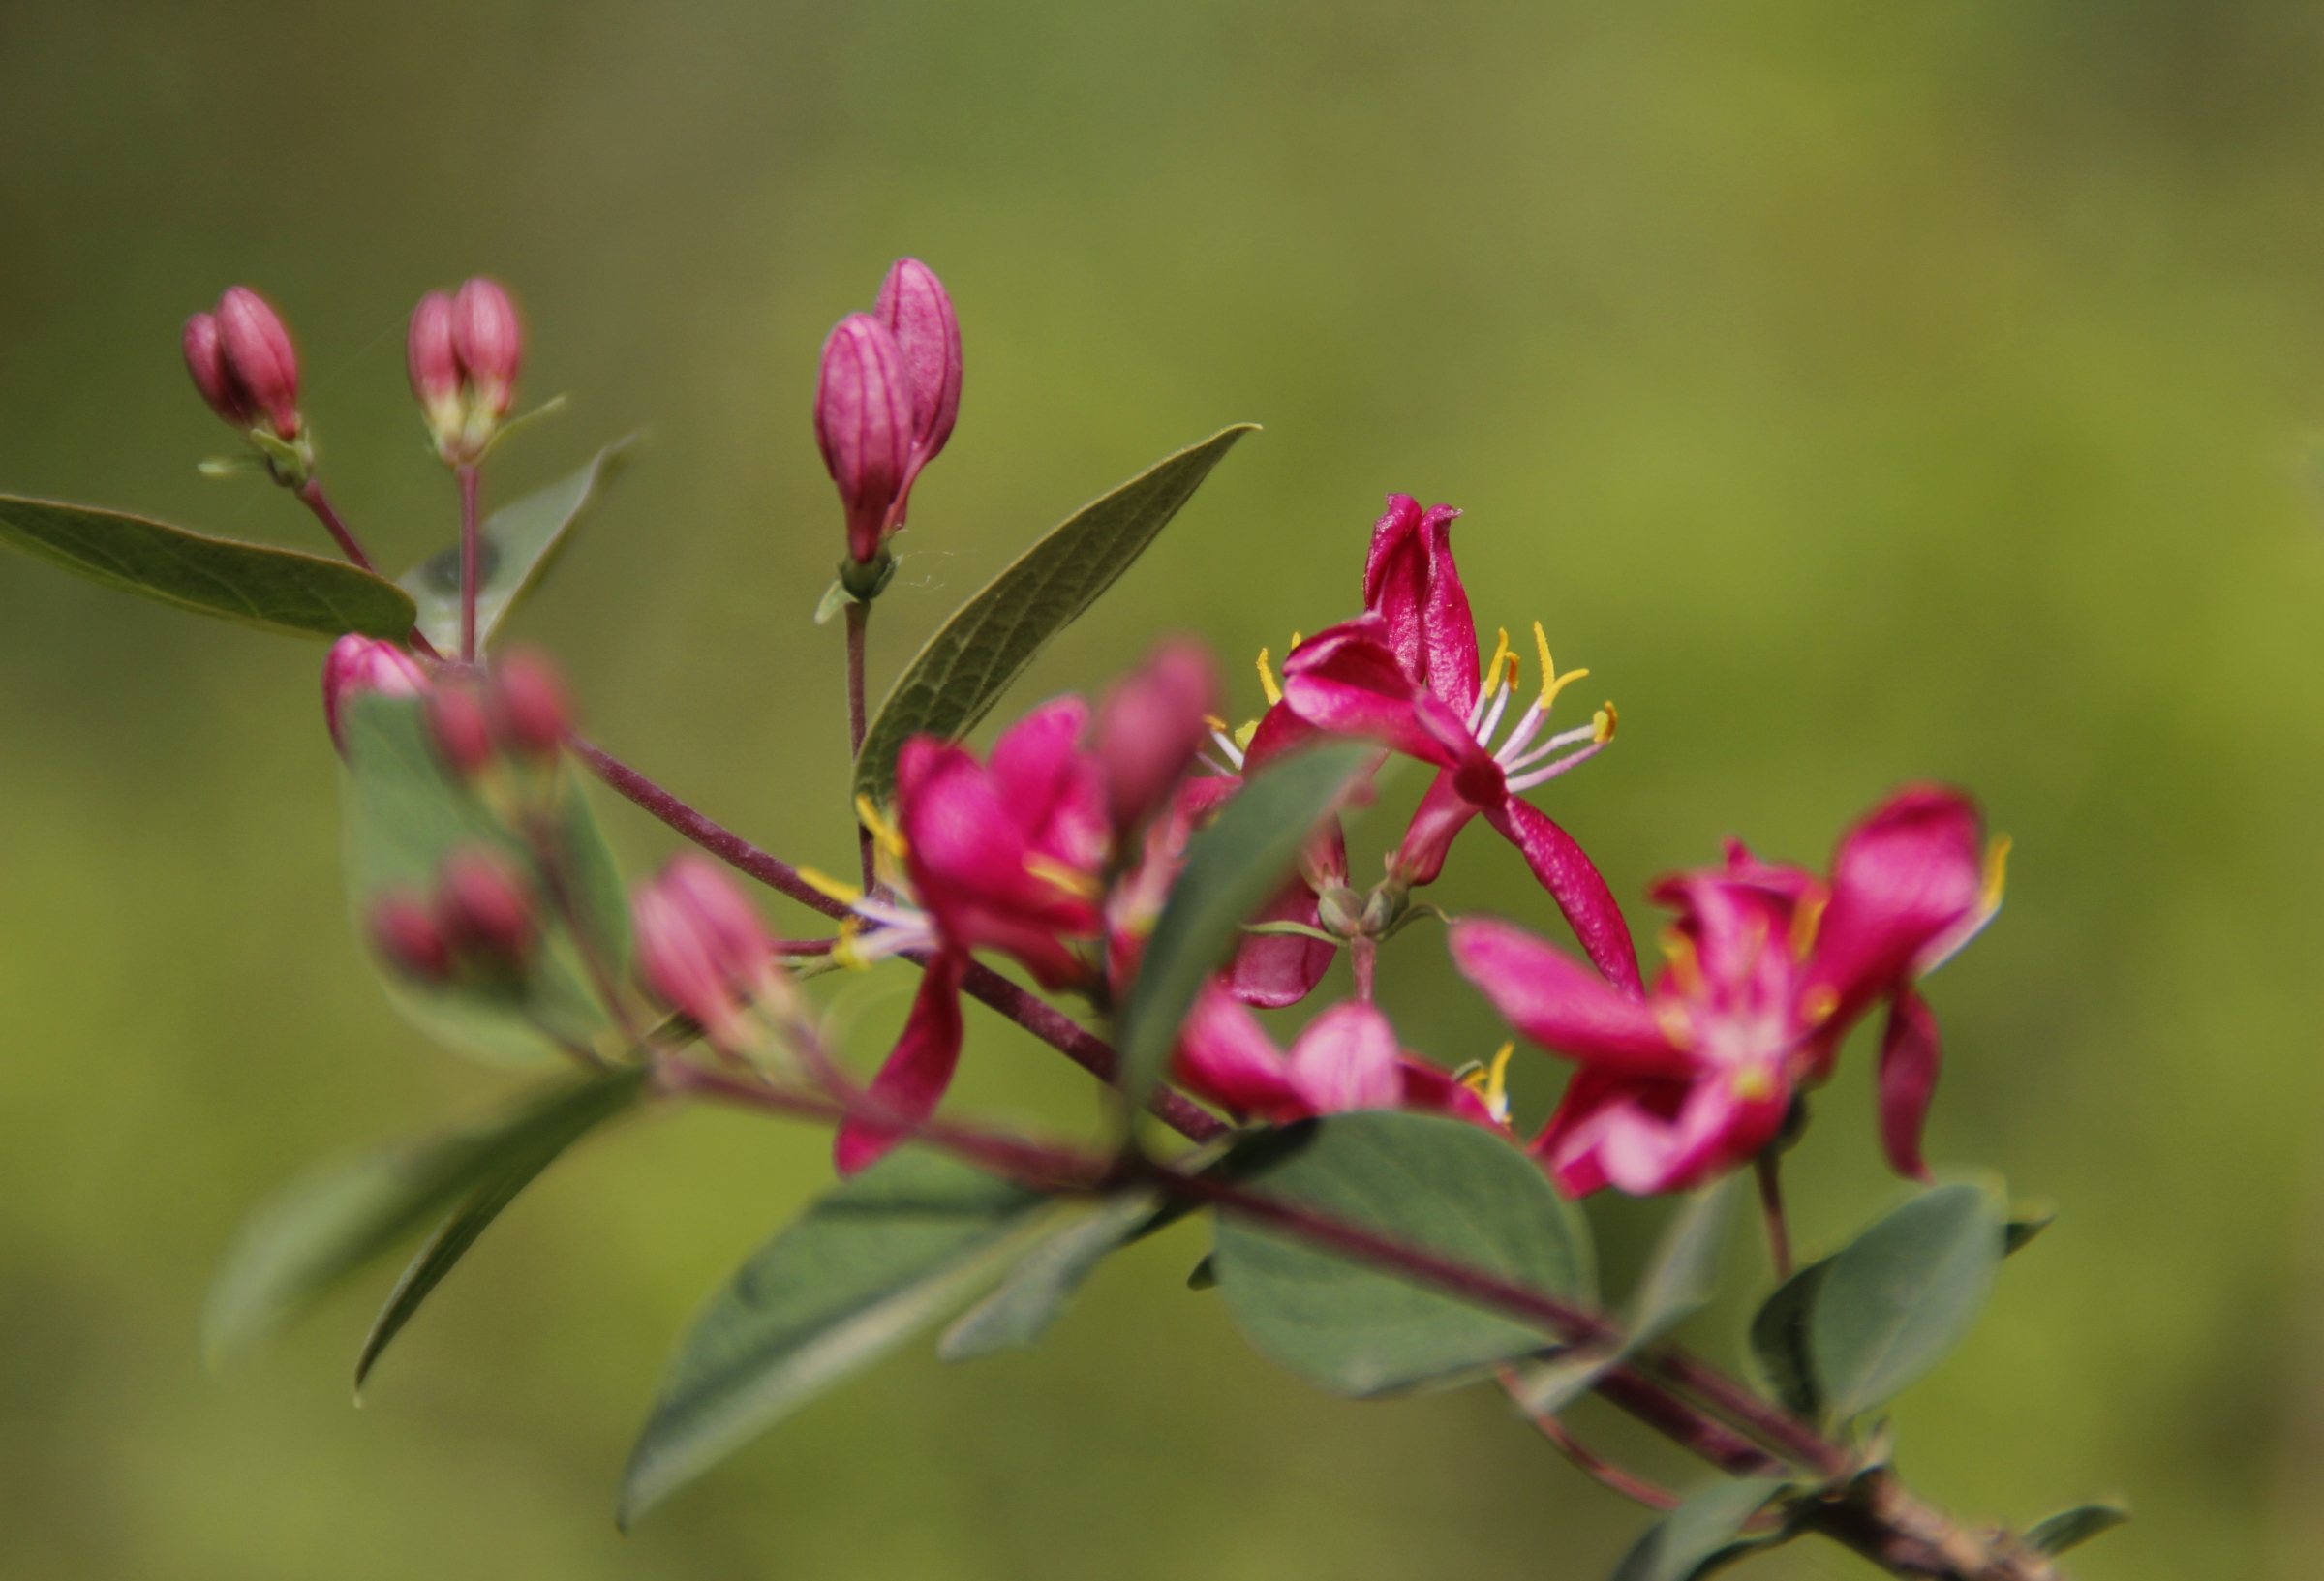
(1007, 854)
(702, 949)
(359, 665)
(1150, 727)
(1769, 967)
(243, 363)
(1405, 674)
(1346, 1059)
(864, 424)
(914, 306)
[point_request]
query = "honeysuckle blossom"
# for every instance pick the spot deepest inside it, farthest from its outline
(1769, 966)
(1405, 673)
(1346, 1059)
(1009, 855)
(702, 950)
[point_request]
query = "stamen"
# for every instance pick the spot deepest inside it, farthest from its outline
(1551, 771)
(1806, 921)
(1072, 880)
(1753, 1085)
(1604, 722)
(889, 837)
(1216, 725)
(843, 949)
(1242, 737)
(1685, 964)
(1500, 695)
(1295, 640)
(1492, 669)
(1557, 742)
(1267, 681)
(1997, 874)
(1551, 681)
(848, 894)
(1491, 1083)
(1816, 1007)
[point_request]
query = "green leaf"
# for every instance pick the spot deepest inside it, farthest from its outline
(2070, 1529)
(835, 598)
(402, 814)
(276, 589)
(990, 640)
(1681, 1275)
(296, 1247)
(1902, 1293)
(1779, 1341)
(865, 1268)
(515, 547)
(1705, 1534)
(1034, 1294)
(1232, 869)
(2026, 1219)
(1433, 1184)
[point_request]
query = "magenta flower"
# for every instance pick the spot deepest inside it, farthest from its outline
(1405, 673)
(243, 363)
(359, 665)
(864, 424)
(702, 950)
(1002, 855)
(1346, 1059)
(1769, 967)
(918, 312)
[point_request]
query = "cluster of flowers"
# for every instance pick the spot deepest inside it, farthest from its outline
(1060, 848)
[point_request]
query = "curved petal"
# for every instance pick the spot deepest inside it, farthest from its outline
(1561, 1004)
(1430, 1090)
(1443, 813)
(1410, 582)
(1907, 874)
(1575, 883)
(1347, 1059)
(1348, 681)
(912, 1081)
(1225, 1055)
(1910, 1056)
(1278, 969)
(1281, 731)
(1717, 1129)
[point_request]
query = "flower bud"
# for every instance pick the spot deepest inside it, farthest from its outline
(461, 729)
(205, 360)
(484, 910)
(435, 366)
(529, 705)
(702, 949)
(913, 305)
(257, 356)
(1151, 725)
(864, 424)
(359, 665)
(408, 938)
(490, 343)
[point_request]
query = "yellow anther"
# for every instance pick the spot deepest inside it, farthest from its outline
(1295, 640)
(1806, 921)
(1267, 679)
(1685, 964)
(889, 837)
(1511, 683)
(842, 951)
(1492, 1082)
(1672, 1018)
(1072, 880)
(1216, 722)
(1492, 668)
(1753, 1085)
(1551, 681)
(1243, 737)
(1816, 1008)
(846, 893)
(1604, 722)
(1997, 874)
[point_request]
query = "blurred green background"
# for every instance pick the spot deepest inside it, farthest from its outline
(1862, 392)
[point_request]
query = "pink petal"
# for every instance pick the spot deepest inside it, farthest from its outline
(1033, 759)
(1905, 876)
(1443, 813)
(1226, 1057)
(1910, 1054)
(1429, 1090)
(1410, 582)
(1346, 1059)
(1279, 731)
(1573, 882)
(1280, 969)
(1347, 680)
(912, 1081)
(1561, 1004)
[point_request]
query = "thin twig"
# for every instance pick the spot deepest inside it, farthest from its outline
(1769, 1168)
(859, 619)
(311, 494)
(1604, 1471)
(470, 486)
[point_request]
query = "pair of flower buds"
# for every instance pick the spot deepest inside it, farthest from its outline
(517, 709)
(464, 352)
(885, 403)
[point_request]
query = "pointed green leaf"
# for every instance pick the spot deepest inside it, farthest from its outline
(865, 1268)
(510, 1170)
(2026, 1220)
(1903, 1295)
(296, 1247)
(1681, 1275)
(1703, 1535)
(402, 814)
(276, 589)
(991, 639)
(1779, 1341)
(1035, 1292)
(835, 598)
(1434, 1184)
(2070, 1529)
(515, 547)
(1232, 869)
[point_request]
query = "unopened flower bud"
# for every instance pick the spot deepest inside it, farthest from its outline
(435, 366)
(256, 352)
(408, 938)
(484, 910)
(1151, 725)
(913, 305)
(461, 728)
(359, 665)
(205, 360)
(702, 949)
(530, 706)
(490, 342)
(864, 424)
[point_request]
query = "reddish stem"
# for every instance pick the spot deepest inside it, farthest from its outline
(1768, 1166)
(471, 485)
(859, 619)
(311, 494)
(1365, 956)
(1605, 1472)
